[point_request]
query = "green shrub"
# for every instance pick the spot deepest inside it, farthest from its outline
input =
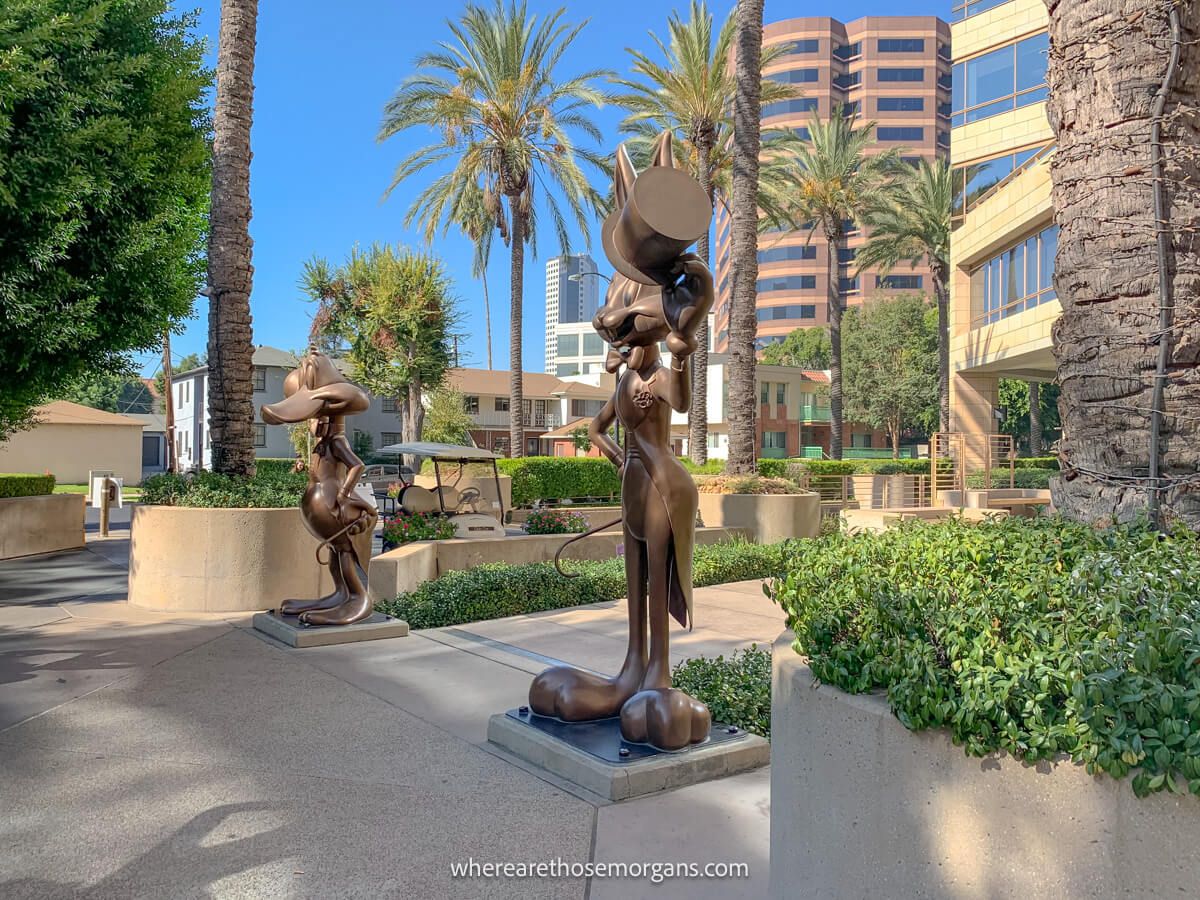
(1037, 479)
(560, 478)
(496, 590)
(269, 467)
(737, 691)
(1037, 637)
(267, 490)
(20, 484)
(712, 467)
(1037, 462)
(555, 521)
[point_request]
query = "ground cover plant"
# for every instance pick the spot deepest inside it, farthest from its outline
(1037, 637)
(271, 487)
(737, 690)
(496, 590)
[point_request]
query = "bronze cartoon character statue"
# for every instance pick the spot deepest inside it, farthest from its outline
(659, 293)
(332, 511)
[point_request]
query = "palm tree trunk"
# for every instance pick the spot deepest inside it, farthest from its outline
(942, 294)
(516, 394)
(487, 318)
(742, 412)
(230, 273)
(832, 242)
(698, 414)
(1126, 191)
(1035, 419)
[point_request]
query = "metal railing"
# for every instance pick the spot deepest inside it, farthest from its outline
(529, 420)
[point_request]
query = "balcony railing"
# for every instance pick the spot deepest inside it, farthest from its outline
(530, 420)
(815, 414)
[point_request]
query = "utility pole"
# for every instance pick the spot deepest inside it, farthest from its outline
(168, 400)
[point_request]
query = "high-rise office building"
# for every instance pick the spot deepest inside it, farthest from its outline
(891, 70)
(1002, 299)
(572, 299)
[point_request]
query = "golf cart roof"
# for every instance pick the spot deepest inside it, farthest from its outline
(440, 451)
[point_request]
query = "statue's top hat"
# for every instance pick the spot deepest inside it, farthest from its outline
(658, 215)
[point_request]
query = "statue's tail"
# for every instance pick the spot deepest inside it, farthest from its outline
(579, 537)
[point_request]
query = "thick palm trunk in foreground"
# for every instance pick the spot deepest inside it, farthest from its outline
(516, 393)
(743, 322)
(1115, 80)
(230, 273)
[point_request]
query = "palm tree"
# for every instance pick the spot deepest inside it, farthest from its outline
(230, 274)
(1124, 188)
(911, 223)
(504, 122)
(743, 321)
(688, 94)
(480, 226)
(835, 182)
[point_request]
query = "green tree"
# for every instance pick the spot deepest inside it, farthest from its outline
(911, 223)
(230, 250)
(687, 93)
(805, 348)
(891, 365)
(104, 178)
(743, 321)
(479, 226)
(394, 310)
(505, 119)
(114, 392)
(446, 418)
(835, 181)
(1014, 397)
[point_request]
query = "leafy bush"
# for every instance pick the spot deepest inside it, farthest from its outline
(404, 528)
(555, 521)
(560, 478)
(496, 590)
(1037, 462)
(271, 467)
(711, 467)
(1033, 636)
(266, 490)
(20, 484)
(737, 691)
(1036, 479)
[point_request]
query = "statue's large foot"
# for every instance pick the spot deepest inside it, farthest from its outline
(297, 607)
(665, 718)
(577, 696)
(356, 608)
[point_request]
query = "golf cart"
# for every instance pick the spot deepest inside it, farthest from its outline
(473, 515)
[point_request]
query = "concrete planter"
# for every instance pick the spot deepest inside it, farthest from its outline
(42, 524)
(885, 491)
(862, 807)
(224, 560)
(768, 517)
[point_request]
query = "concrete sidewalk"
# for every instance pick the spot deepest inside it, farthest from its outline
(171, 756)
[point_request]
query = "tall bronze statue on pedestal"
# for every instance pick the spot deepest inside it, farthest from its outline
(315, 390)
(660, 293)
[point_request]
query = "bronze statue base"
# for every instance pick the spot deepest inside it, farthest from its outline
(291, 631)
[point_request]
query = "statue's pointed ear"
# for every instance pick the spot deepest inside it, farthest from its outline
(623, 176)
(664, 154)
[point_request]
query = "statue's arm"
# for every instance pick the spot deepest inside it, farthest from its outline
(343, 453)
(598, 432)
(675, 384)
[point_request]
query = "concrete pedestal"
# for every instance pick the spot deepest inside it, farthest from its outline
(623, 780)
(289, 630)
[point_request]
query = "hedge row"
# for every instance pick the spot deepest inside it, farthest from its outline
(272, 466)
(20, 484)
(497, 590)
(560, 478)
(1037, 462)
(1033, 636)
(1037, 479)
(270, 488)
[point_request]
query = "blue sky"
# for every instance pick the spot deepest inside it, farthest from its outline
(323, 73)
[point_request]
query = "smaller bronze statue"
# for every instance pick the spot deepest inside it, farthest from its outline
(660, 293)
(316, 391)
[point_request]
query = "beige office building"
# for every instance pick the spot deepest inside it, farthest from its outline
(893, 70)
(1002, 250)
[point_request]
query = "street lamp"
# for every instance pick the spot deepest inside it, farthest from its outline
(578, 276)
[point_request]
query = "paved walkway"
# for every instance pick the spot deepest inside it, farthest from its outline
(146, 755)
